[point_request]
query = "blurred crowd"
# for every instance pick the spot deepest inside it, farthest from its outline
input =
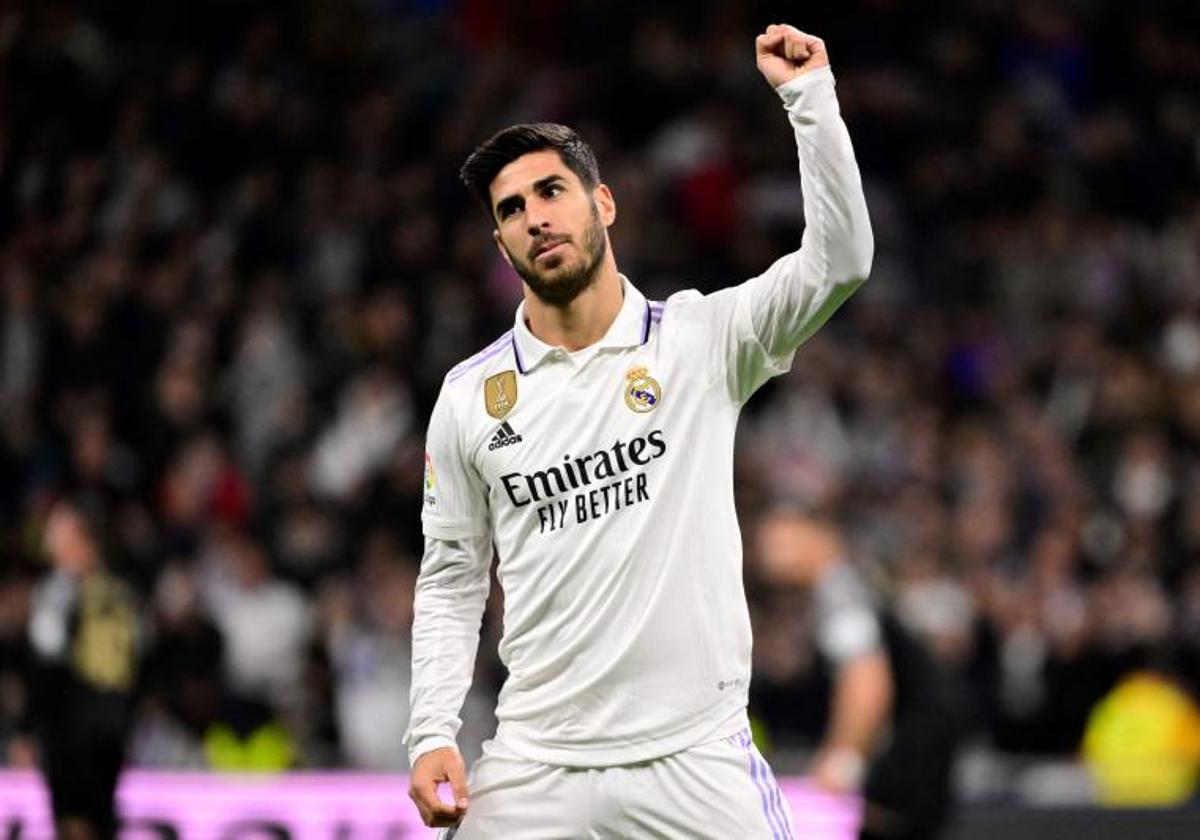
(235, 263)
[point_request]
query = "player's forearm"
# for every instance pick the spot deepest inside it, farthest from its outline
(795, 296)
(451, 592)
(862, 701)
(838, 246)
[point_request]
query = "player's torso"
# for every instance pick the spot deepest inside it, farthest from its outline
(609, 489)
(592, 471)
(568, 445)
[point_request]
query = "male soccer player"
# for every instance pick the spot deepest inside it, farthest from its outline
(593, 445)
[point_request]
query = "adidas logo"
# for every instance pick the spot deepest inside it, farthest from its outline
(505, 436)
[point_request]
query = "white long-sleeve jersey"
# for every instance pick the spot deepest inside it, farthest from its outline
(604, 478)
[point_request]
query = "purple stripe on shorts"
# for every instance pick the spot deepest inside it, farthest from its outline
(776, 796)
(474, 362)
(744, 741)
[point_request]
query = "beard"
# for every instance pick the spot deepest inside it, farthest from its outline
(565, 286)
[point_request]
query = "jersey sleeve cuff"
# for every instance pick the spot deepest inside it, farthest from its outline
(791, 91)
(428, 744)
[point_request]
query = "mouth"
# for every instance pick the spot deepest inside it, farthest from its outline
(548, 248)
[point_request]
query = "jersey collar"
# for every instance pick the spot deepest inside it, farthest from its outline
(631, 328)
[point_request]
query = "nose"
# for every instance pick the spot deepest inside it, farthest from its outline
(537, 217)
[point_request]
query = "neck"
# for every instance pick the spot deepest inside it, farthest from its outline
(583, 321)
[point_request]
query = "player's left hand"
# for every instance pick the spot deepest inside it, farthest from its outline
(783, 52)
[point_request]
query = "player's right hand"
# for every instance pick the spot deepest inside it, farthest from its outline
(431, 770)
(783, 52)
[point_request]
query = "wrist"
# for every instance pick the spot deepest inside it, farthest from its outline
(844, 766)
(428, 745)
(793, 88)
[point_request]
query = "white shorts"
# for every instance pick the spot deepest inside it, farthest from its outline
(722, 790)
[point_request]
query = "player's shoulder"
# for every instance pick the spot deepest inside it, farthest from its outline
(681, 301)
(689, 306)
(496, 357)
(470, 377)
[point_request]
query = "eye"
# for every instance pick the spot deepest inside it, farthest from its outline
(552, 190)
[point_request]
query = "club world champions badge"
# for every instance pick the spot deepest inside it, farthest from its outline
(500, 393)
(642, 391)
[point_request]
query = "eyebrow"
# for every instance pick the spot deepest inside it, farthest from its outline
(542, 183)
(516, 200)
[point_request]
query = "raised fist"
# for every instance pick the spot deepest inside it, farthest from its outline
(783, 52)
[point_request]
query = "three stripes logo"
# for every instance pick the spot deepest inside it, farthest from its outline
(505, 436)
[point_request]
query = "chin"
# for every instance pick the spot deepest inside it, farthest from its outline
(553, 264)
(552, 275)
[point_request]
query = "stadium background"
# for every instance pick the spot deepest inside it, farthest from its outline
(235, 262)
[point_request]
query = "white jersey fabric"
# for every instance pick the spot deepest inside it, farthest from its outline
(604, 478)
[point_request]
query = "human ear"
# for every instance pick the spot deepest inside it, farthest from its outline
(606, 203)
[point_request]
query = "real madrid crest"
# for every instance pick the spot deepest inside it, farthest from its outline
(642, 391)
(500, 393)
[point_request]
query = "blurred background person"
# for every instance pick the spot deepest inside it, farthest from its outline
(184, 684)
(85, 631)
(266, 628)
(366, 621)
(891, 729)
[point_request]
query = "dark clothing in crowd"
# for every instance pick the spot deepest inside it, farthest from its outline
(908, 790)
(83, 751)
(86, 634)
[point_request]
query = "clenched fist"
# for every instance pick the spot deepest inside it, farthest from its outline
(784, 52)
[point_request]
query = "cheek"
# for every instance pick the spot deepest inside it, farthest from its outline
(509, 244)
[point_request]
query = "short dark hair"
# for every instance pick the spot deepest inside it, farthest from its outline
(498, 151)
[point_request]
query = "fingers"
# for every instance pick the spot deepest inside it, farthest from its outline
(458, 782)
(430, 772)
(789, 42)
(768, 43)
(434, 812)
(424, 796)
(795, 50)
